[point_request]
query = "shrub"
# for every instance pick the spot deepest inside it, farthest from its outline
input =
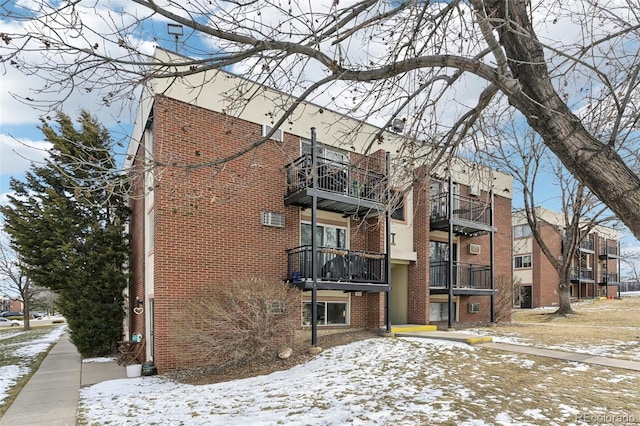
(248, 320)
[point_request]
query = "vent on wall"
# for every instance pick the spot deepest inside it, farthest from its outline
(474, 190)
(473, 308)
(474, 248)
(277, 135)
(272, 219)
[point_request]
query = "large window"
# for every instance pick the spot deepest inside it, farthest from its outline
(520, 262)
(329, 313)
(326, 236)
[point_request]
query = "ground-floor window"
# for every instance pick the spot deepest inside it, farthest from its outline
(439, 311)
(329, 313)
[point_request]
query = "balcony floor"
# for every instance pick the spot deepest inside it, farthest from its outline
(463, 291)
(343, 286)
(336, 202)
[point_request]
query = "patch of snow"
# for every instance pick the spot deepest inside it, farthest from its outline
(99, 359)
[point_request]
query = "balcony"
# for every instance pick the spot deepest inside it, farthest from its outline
(469, 216)
(338, 269)
(586, 245)
(609, 250)
(608, 278)
(469, 279)
(341, 187)
(581, 275)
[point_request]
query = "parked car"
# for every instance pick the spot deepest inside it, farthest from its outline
(6, 314)
(8, 323)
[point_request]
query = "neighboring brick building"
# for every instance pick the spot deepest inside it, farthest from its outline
(595, 269)
(194, 230)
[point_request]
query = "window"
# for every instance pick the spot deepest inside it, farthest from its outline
(440, 311)
(329, 313)
(397, 205)
(521, 231)
(520, 262)
(324, 152)
(326, 236)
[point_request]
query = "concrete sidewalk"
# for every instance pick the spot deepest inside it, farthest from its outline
(487, 342)
(51, 395)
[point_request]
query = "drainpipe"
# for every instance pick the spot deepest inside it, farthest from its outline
(450, 240)
(314, 247)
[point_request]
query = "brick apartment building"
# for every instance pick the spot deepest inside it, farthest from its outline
(430, 260)
(595, 270)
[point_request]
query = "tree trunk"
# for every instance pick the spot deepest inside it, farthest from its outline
(564, 298)
(592, 162)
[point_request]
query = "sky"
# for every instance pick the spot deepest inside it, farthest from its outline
(21, 141)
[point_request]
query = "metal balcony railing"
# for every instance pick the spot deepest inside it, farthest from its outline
(608, 278)
(464, 208)
(465, 275)
(587, 245)
(578, 274)
(337, 177)
(609, 250)
(336, 265)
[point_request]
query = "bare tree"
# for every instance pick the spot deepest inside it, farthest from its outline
(631, 259)
(435, 65)
(15, 277)
(524, 156)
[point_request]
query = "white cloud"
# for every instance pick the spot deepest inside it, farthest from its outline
(19, 154)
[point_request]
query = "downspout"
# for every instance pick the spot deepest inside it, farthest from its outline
(450, 261)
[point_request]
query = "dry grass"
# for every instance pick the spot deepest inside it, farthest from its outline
(611, 327)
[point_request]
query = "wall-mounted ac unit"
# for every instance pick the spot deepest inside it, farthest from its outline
(272, 219)
(474, 190)
(473, 308)
(474, 248)
(277, 135)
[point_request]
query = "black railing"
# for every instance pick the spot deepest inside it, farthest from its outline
(336, 265)
(587, 244)
(465, 208)
(609, 250)
(337, 177)
(581, 274)
(608, 278)
(465, 275)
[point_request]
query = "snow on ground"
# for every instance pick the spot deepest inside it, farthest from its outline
(25, 352)
(406, 381)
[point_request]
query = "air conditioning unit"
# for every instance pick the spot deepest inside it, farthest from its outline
(277, 135)
(473, 308)
(474, 248)
(474, 190)
(272, 219)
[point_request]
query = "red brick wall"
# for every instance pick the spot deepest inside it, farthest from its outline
(208, 230)
(545, 277)
(138, 255)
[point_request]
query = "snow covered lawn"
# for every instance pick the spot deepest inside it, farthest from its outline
(404, 381)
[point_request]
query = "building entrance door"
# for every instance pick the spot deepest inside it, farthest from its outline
(526, 293)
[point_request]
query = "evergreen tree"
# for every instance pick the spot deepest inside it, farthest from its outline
(66, 222)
